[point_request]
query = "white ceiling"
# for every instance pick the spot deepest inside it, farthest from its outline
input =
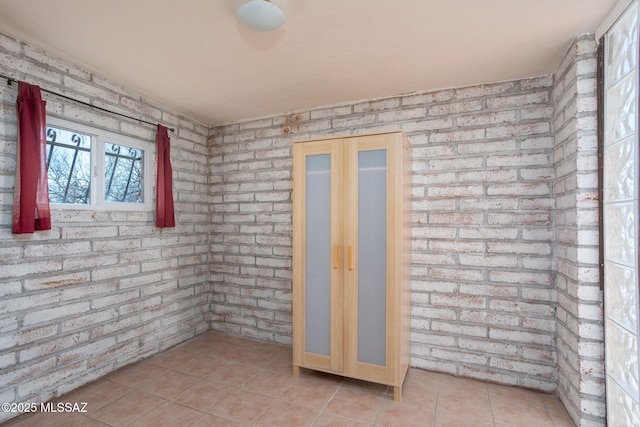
(194, 55)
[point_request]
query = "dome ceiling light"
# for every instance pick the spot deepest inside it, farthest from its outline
(261, 15)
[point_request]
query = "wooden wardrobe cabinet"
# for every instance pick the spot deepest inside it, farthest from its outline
(351, 257)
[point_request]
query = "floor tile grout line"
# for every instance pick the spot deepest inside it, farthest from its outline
(324, 408)
(166, 399)
(493, 416)
(242, 385)
(326, 405)
(495, 396)
(151, 409)
(252, 423)
(380, 405)
(237, 389)
(435, 406)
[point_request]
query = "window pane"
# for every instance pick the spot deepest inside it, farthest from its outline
(123, 179)
(318, 254)
(372, 257)
(68, 166)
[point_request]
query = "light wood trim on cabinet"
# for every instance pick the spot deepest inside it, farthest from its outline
(337, 281)
(405, 300)
(298, 257)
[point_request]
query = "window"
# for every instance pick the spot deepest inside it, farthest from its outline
(90, 167)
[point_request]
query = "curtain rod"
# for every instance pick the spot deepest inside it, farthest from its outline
(12, 80)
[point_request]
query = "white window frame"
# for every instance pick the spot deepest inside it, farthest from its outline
(98, 138)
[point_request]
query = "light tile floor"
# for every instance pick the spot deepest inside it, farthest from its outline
(218, 380)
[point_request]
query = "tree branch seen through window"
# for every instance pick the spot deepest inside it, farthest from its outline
(70, 168)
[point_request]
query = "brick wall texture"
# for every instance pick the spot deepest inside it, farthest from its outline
(483, 300)
(579, 310)
(504, 281)
(101, 289)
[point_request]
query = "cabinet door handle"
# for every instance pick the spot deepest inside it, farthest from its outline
(335, 256)
(350, 257)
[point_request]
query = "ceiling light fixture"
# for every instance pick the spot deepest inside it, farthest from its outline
(261, 15)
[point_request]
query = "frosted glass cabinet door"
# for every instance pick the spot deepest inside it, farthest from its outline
(318, 254)
(317, 273)
(372, 256)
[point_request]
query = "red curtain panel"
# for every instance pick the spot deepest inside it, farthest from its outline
(31, 193)
(165, 216)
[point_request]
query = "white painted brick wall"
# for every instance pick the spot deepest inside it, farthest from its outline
(484, 297)
(579, 311)
(483, 169)
(101, 289)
